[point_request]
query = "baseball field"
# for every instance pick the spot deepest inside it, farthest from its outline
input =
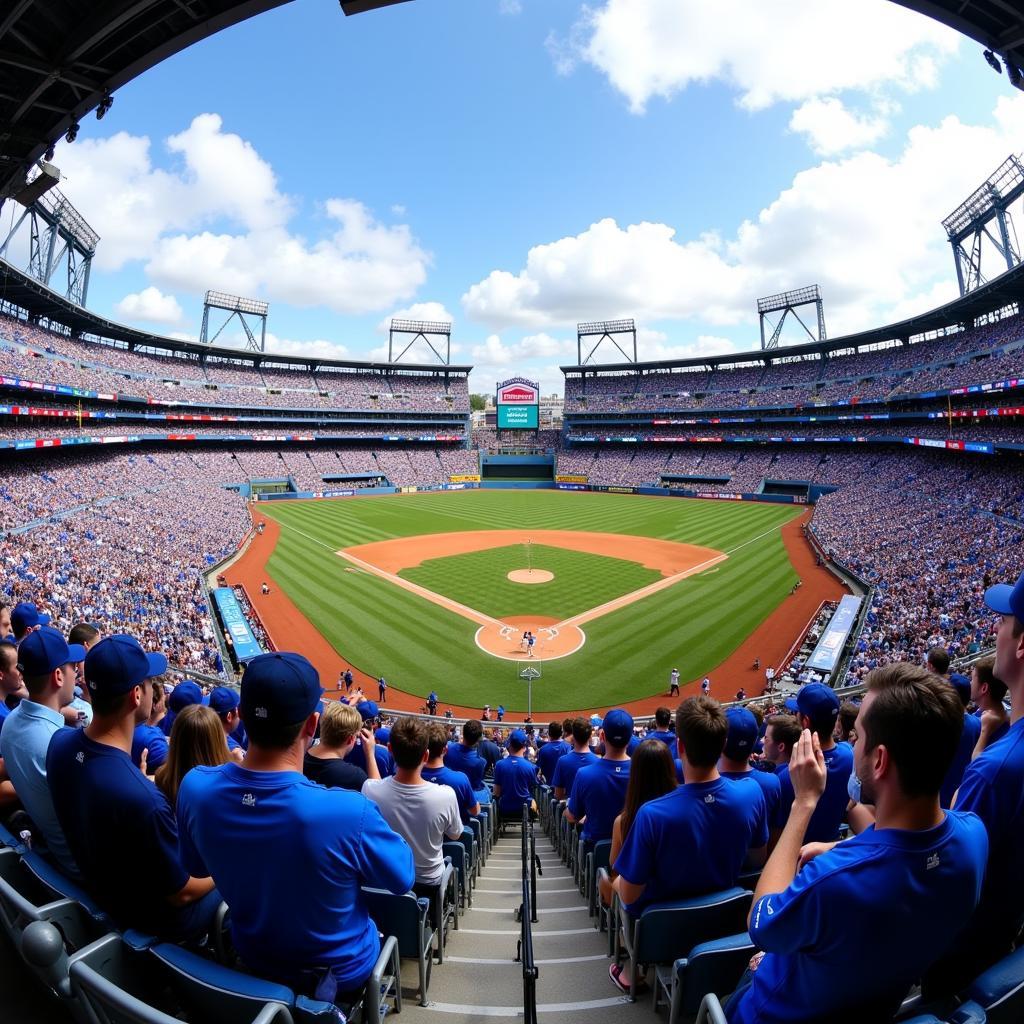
(436, 590)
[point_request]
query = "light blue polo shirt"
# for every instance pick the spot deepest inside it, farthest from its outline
(23, 745)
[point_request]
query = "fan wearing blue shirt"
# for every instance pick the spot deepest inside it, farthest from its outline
(988, 693)
(579, 757)
(184, 694)
(435, 771)
(514, 779)
(968, 741)
(549, 755)
(817, 709)
(664, 732)
(369, 711)
(993, 788)
(735, 760)
(465, 757)
(108, 810)
(291, 856)
(893, 889)
(599, 790)
(695, 839)
(11, 683)
(225, 701)
(149, 738)
(48, 666)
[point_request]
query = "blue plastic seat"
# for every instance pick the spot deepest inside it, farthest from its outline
(408, 920)
(456, 853)
(1000, 990)
(715, 966)
(597, 858)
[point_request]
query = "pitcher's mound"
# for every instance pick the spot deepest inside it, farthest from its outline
(531, 576)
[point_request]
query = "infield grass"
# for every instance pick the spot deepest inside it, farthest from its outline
(385, 630)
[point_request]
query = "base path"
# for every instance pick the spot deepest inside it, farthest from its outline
(290, 630)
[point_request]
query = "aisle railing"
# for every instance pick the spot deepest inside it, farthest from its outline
(527, 918)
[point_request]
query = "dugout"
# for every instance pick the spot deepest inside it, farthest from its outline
(523, 471)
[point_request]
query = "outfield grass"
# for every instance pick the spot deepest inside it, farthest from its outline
(581, 581)
(420, 646)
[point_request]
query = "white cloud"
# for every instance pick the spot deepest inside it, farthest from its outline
(831, 128)
(218, 219)
(768, 52)
(152, 306)
(510, 7)
(866, 228)
(398, 209)
(318, 348)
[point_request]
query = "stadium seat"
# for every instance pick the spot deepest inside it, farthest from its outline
(456, 853)
(597, 858)
(62, 887)
(664, 932)
(10, 840)
(210, 991)
(715, 966)
(408, 920)
(444, 903)
(1000, 990)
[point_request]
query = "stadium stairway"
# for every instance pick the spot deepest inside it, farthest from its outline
(480, 976)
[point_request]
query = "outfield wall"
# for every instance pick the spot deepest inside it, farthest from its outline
(673, 492)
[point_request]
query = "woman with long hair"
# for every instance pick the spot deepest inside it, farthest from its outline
(197, 738)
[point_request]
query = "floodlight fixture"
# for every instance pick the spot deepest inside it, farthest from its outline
(72, 132)
(993, 62)
(104, 106)
(605, 330)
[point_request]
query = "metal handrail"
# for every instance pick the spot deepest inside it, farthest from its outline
(527, 917)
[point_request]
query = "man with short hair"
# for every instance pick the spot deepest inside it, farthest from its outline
(549, 755)
(225, 702)
(277, 842)
(435, 771)
(149, 738)
(464, 757)
(325, 764)
(514, 779)
(694, 840)
(663, 729)
(48, 665)
(579, 757)
(5, 623)
(988, 693)
(599, 790)
(357, 755)
(818, 708)
(423, 814)
(893, 889)
(937, 661)
(993, 788)
(107, 808)
(85, 635)
(673, 683)
(12, 683)
(968, 740)
(780, 737)
(735, 760)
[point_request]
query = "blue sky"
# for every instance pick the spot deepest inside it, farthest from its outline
(518, 165)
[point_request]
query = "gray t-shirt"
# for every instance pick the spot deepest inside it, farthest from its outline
(423, 815)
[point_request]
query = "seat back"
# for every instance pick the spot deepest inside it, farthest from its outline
(460, 861)
(602, 854)
(211, 992)
(404, 917)
(667, 931)
(1000, 989)
(715, 966)
(61, 886)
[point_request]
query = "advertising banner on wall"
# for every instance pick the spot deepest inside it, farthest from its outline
(236, 624)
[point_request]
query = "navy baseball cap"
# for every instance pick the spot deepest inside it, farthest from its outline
(517, 739)
(1001, 598)
(184, 694)
(25, 615)
(382, 735)
(223, 699)
(282, 687)
(962, 685)
(118, 662)
(618, 727)
(45, 650)
(819, 703)
(368, 709)
(742, 735)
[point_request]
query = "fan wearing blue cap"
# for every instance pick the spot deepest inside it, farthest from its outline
(735, 760)
(993, 788)
(514, 779)
(276, 841)
(25, 617)
(47, 665)
(817, 708)
(225, 702)
(369, 712)
(108, 810)
(599, 790)
(968, 738)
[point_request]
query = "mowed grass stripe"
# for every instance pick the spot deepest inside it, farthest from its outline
(387, 631)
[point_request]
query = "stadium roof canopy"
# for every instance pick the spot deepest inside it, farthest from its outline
(60, 59)
(42, 303)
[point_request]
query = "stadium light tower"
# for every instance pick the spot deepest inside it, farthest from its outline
(986, 214)
(605, 330)
(786, 303)
(235, 305)
(415, 330)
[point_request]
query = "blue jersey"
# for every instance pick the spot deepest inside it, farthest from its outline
(568, 766)
(770, 788)
(548, 757)
(831, 810)
(667, 737)
(151, 739)
(107, 807)
(385, 763)
(517, 777)
(993, 788)
(333, 841)
(961, 759)
(692, 841)
(445, 776)
(890, 891)
(598, 794)
(468, 761)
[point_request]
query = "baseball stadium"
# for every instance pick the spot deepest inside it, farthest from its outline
(684, 633)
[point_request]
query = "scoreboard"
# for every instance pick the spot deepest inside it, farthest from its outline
(518, 404)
